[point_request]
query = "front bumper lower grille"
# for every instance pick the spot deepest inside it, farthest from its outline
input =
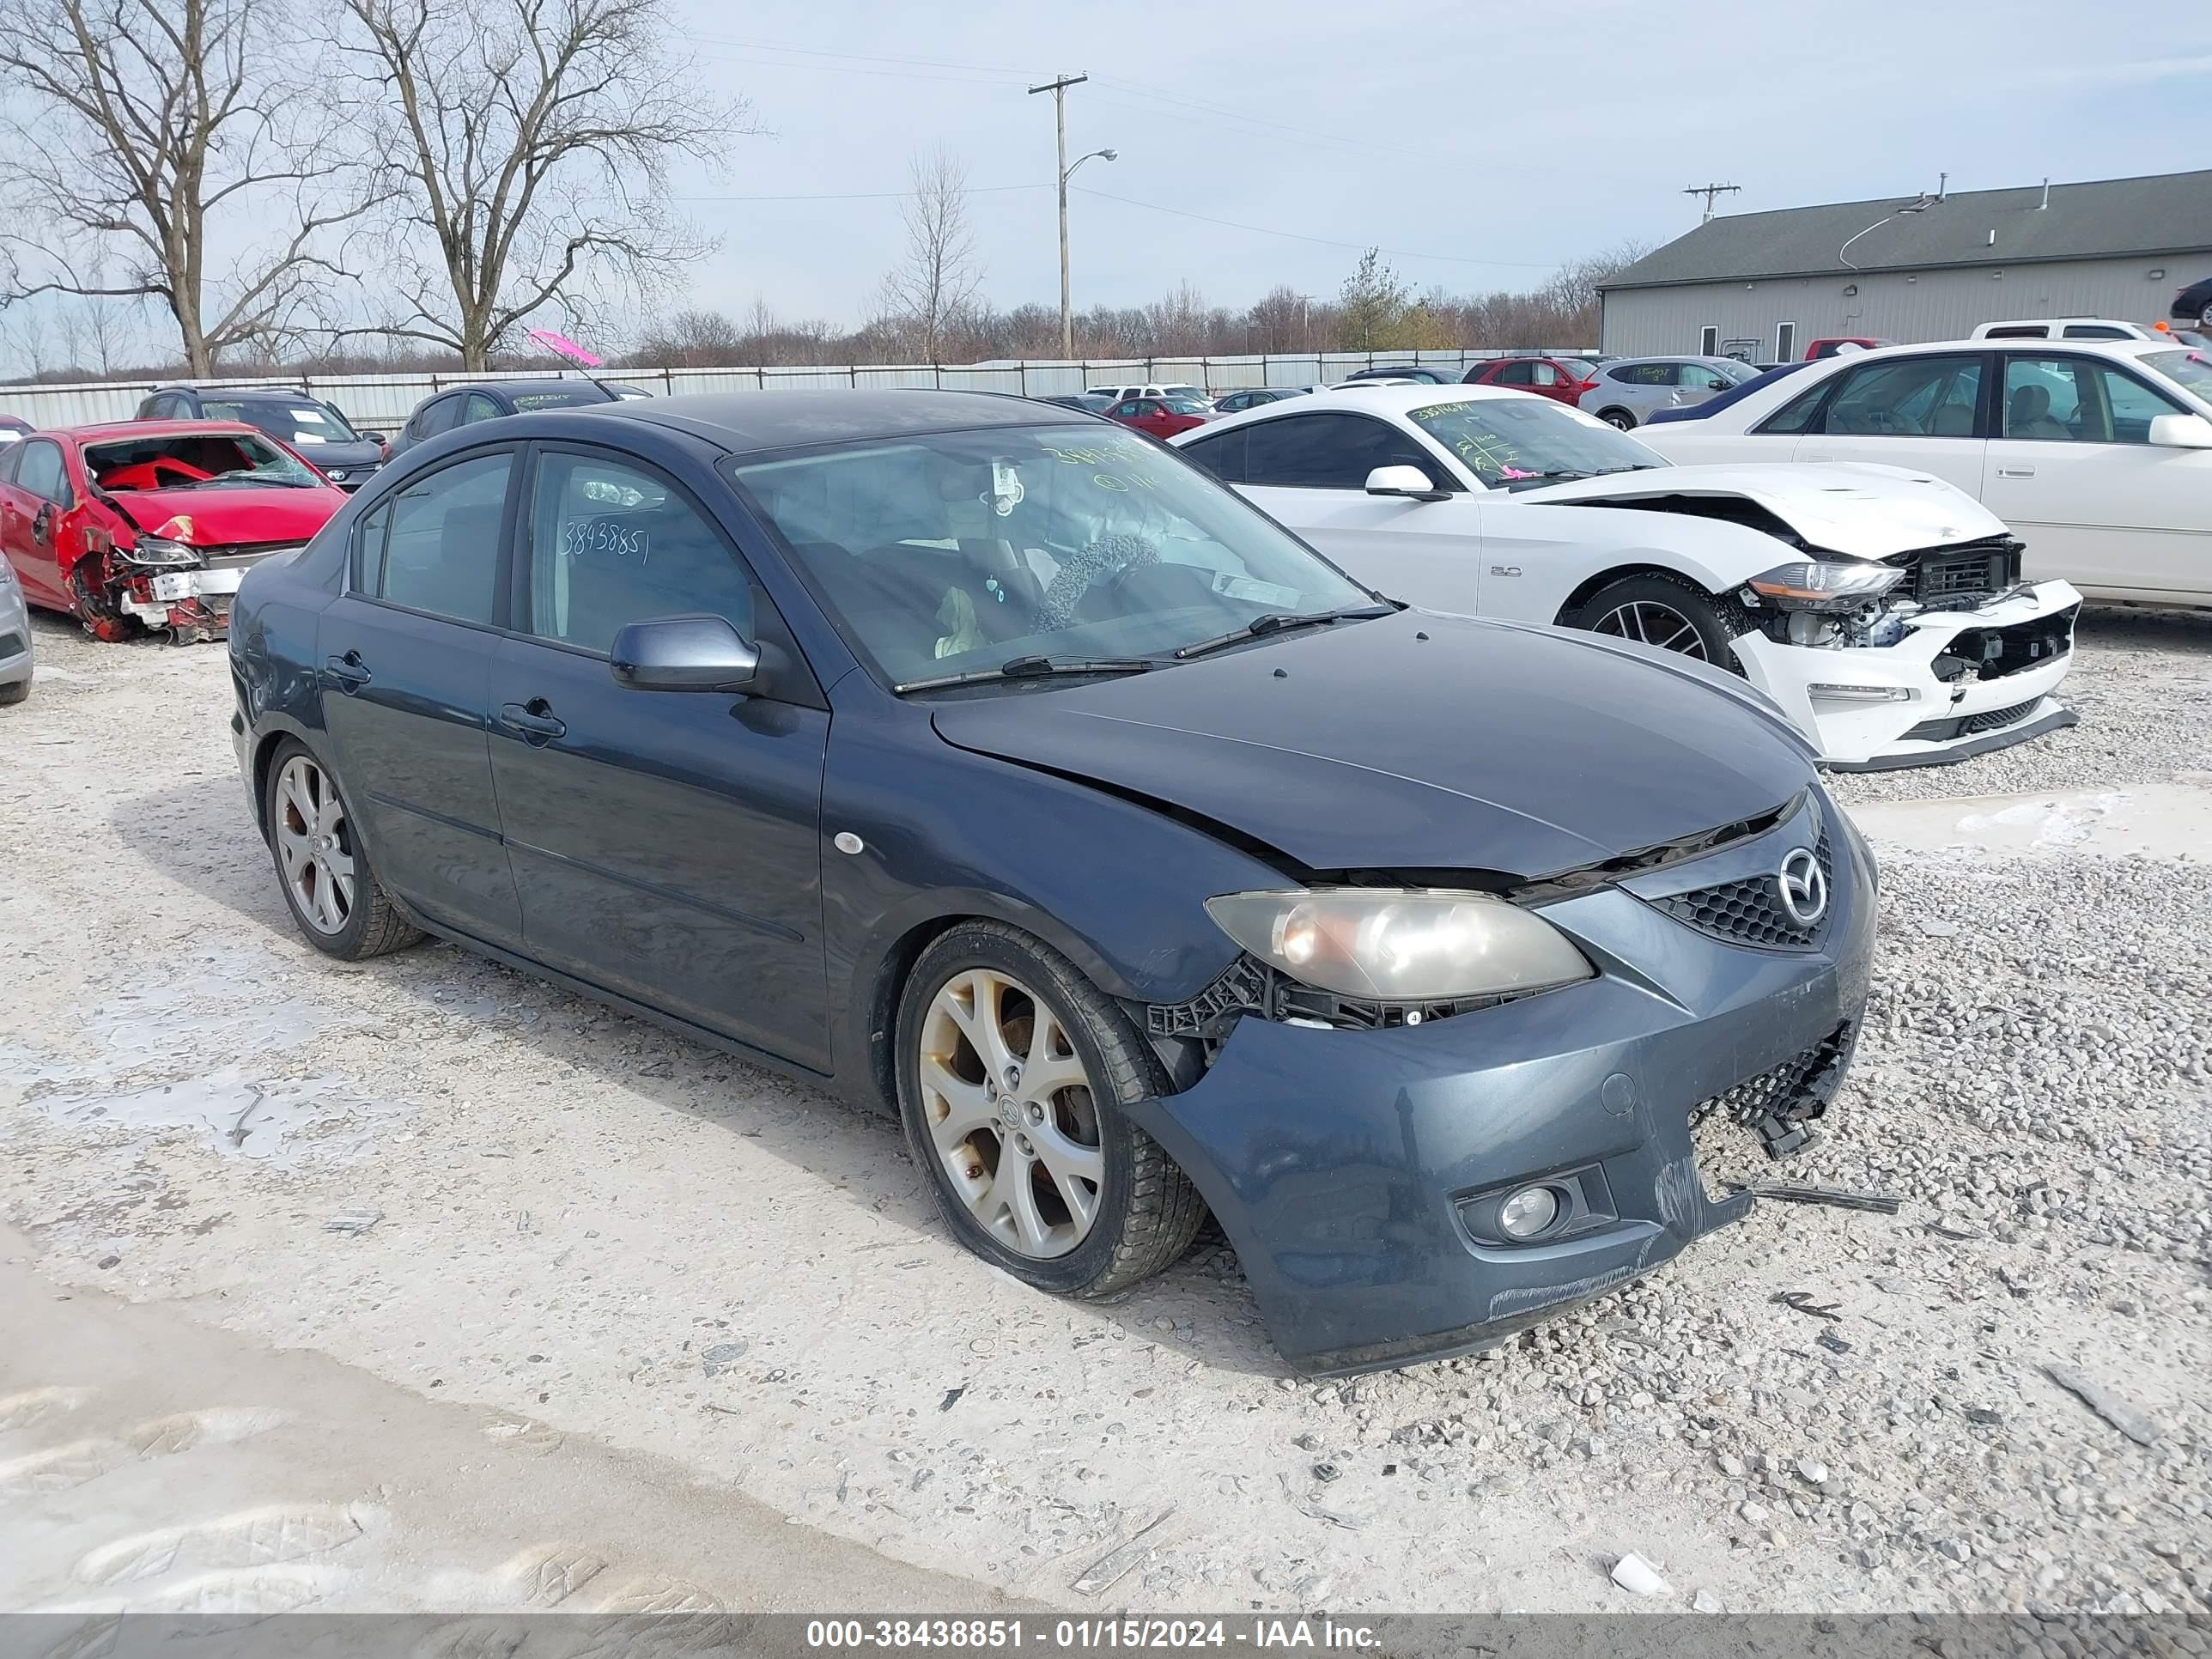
(11, 645)
(1750, 911)
(1780, 1101)
(1971, 725)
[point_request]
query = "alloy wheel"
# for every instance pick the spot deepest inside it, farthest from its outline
(1010, 1113)
(314, 844)
(1649, 623)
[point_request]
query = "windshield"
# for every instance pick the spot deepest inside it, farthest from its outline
(1732, 368)
(1517, 442)
(566, 397)
(194, 461)
(1186, 405)
(299, 424)
(2190, 369)
(960, 551)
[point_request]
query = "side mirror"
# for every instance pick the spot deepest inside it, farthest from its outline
(684, 653)
(1716, 384)
(376, 437)
(1407, 482)
(2181, 432)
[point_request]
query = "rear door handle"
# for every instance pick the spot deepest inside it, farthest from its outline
(2015, 472)
(534, 720)
(349, 671)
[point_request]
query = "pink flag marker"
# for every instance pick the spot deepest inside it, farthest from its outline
(561, 346)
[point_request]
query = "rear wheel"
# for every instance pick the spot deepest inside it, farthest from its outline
(1013, 1071)
(1618, 418)
(331, 891)
(1663, 613)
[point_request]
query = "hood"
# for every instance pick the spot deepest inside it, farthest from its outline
(1530, 751)
(1864, 512)
(324, 457)
(229, 515)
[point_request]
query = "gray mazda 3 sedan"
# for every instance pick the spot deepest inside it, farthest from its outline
(987, 762)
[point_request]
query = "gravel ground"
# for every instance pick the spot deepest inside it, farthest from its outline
(551, 1210)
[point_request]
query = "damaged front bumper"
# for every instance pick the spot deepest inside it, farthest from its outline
(1957, 684)
(189, 603)
(1360, 1174)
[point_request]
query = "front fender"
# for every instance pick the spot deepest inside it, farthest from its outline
(1568, 547)
(1116, 885)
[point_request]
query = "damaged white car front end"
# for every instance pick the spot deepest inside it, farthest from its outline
(1898, 632)
(1882, 608)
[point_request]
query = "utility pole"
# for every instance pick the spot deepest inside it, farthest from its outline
(1060, 170)
(1709, 191)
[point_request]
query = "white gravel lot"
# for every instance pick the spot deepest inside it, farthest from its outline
(585, 1224)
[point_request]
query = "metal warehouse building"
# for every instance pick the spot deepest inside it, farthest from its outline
(1762, 285)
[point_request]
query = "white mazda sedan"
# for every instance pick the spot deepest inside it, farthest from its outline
(1881, 607)
(2099, 453)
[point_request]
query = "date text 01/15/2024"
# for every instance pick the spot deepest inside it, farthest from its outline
(1087, 1634)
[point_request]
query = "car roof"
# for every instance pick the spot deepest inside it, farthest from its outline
(109, 431)
(745, 421)
(2099, 348)
(1371, 397)
(228, 394)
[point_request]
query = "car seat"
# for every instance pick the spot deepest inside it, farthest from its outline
(2027, 415)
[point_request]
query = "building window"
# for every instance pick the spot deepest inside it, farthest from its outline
(1709, 342)
(1785, 342)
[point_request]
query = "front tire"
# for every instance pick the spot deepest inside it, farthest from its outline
(333, 894)
(10, 695)
(1012, 1071)
(1665, 614)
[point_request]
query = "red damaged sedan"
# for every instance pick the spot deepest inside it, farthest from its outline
(151, 524)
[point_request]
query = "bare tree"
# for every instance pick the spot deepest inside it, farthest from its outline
(532, 141)
(935, 284)
(150, 134)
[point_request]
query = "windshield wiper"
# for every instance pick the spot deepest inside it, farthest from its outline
(1274, 623)
(1024, 668)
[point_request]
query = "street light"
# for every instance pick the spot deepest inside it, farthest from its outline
(1066, 315)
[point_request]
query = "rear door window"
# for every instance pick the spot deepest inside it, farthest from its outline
(41, 473)
(436, 549)
(1915, 397)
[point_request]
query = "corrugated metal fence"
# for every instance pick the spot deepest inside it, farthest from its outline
(385, 400)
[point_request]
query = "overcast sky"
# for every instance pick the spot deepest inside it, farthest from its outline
(1481, 143)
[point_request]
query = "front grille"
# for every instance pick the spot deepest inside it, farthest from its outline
(1969, 725)
(1749, 912)
(245, 554)
(11, 644)
(1956, 576)
(1780, 1100)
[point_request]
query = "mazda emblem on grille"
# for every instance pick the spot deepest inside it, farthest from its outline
(1802, 887)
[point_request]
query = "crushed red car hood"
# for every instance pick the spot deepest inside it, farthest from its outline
(228, 515)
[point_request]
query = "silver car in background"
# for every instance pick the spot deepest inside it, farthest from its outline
(15, 638)
(1629, 389)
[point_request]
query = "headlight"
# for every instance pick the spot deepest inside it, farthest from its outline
(159, 551)
(1824, 585)
(1400, 946)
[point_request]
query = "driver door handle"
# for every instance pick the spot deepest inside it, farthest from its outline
(2015, 472)
(349, 671)
(534, 720)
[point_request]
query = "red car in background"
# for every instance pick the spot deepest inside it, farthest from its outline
(1163, 417)
(1548, 377)
(1830, 348)
(151, 524)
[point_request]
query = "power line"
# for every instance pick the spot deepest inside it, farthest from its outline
(861, 57)
(1325, 241)
(1144, 90)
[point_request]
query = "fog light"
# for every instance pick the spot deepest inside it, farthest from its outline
(1529, 1211)
(1861, 693)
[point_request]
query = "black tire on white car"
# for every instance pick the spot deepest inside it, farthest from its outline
(1668, 614)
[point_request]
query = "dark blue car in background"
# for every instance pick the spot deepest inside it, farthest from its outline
(990, 764)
